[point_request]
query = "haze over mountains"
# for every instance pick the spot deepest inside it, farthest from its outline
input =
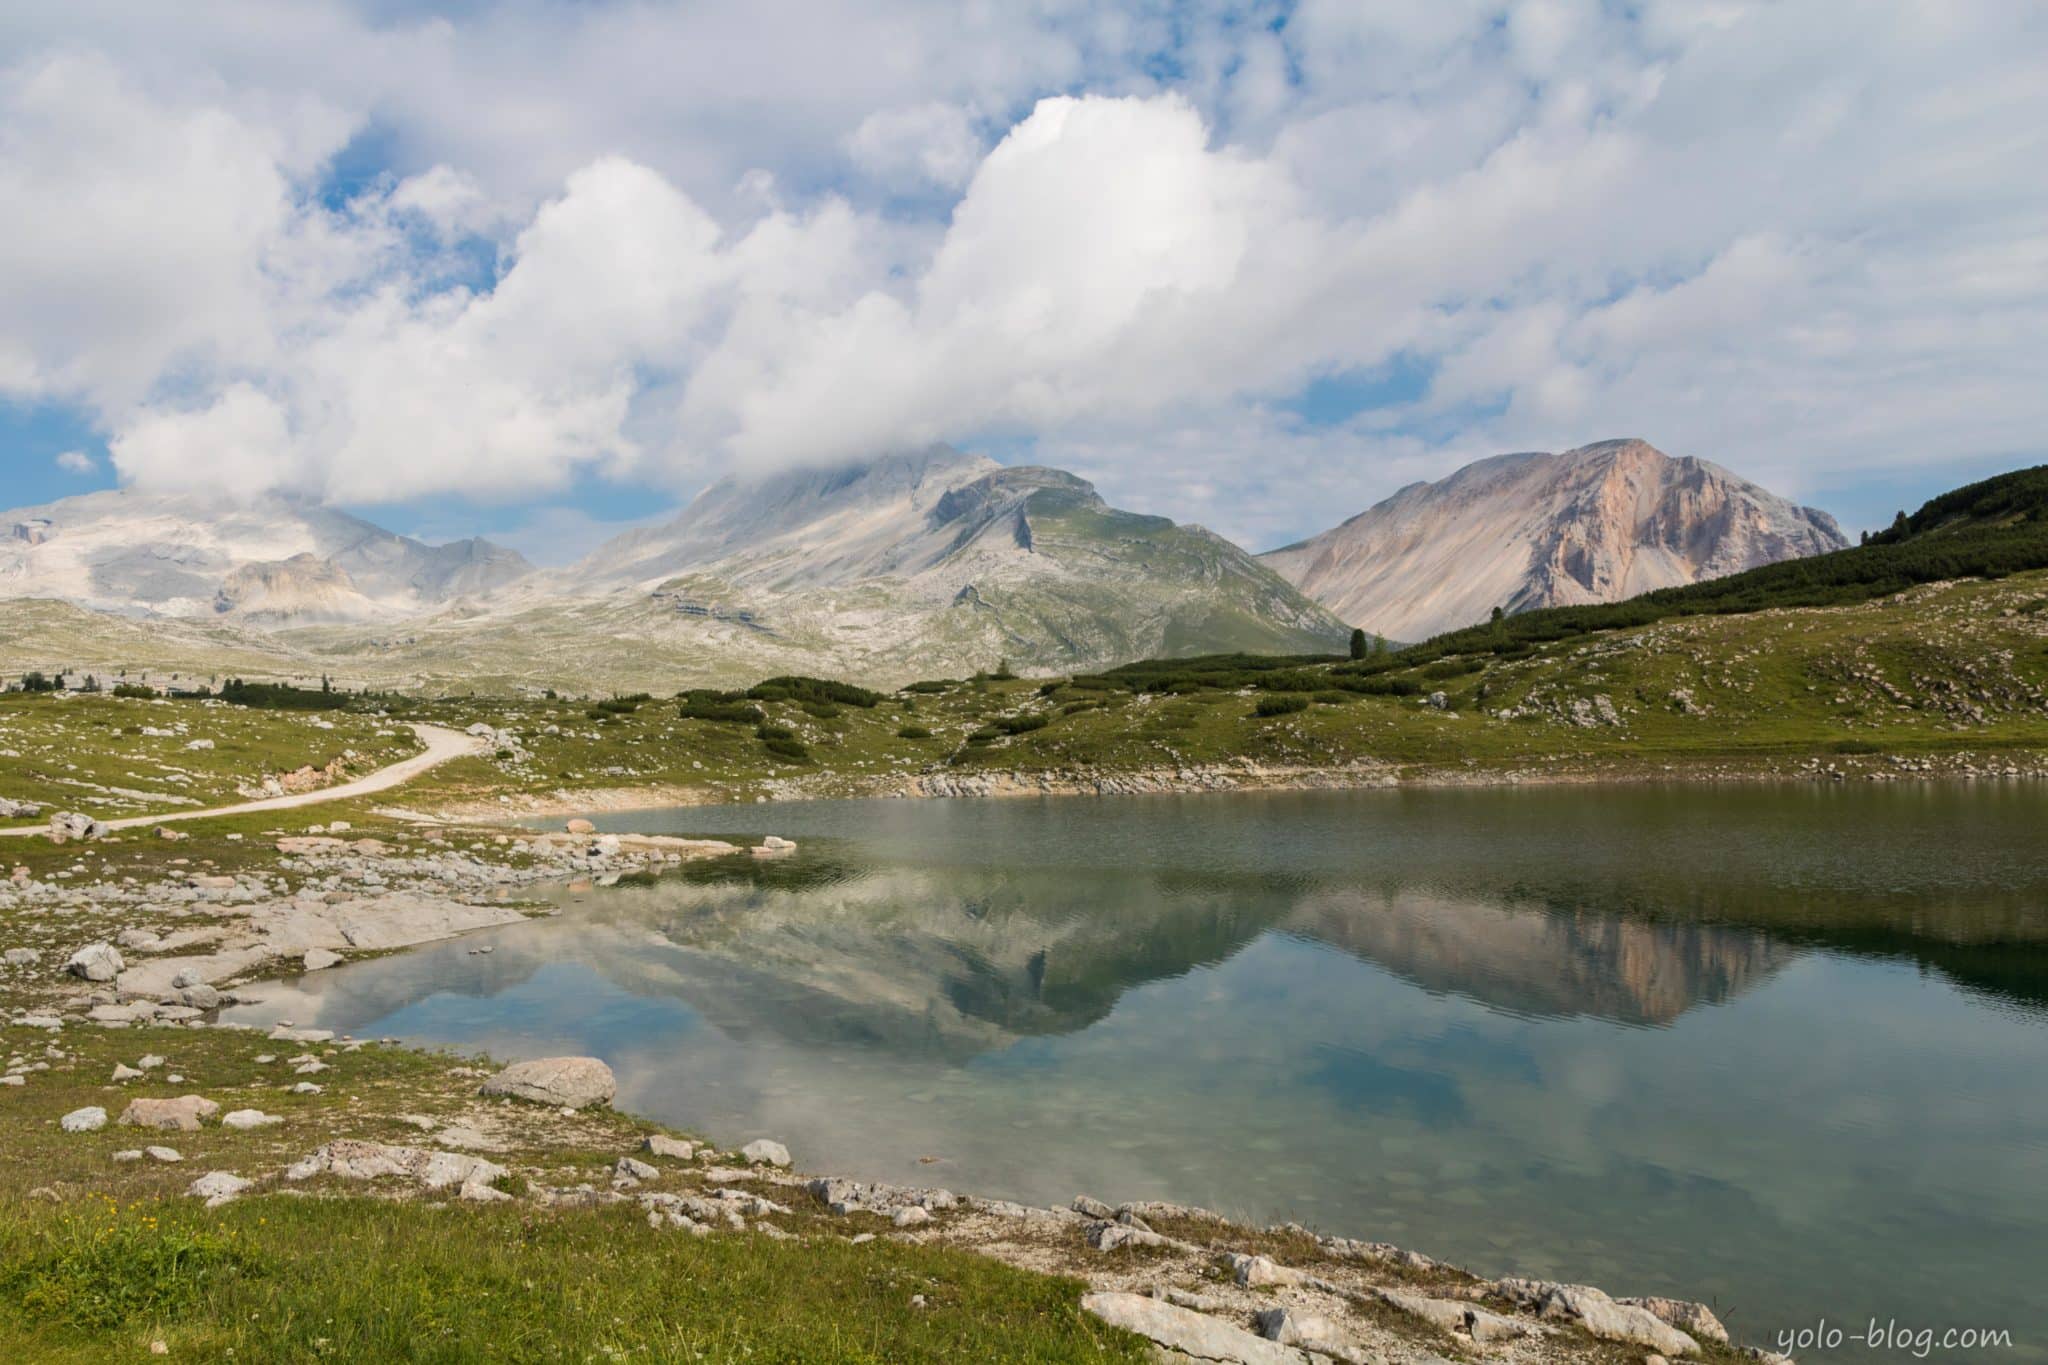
(1596, 524)
(273, 560)
(912, 565)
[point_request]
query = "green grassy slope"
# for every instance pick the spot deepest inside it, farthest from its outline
(1985, 530)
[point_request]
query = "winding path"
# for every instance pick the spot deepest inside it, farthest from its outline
(442, 745)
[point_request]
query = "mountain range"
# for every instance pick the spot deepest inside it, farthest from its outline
(917, 564)
(272, 560)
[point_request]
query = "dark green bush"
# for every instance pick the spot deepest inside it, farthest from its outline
(135, 691)
(765, 731)
(913, 732)
(1283, 704)
(822, 690)
(789, 749)
(737, 713)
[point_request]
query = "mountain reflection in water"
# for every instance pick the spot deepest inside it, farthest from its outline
(1624, 1037)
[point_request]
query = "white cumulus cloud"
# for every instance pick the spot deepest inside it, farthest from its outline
(672, 240)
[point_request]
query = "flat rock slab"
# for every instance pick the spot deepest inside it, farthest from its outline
(351, 1159)
(180, 1115)
(1196, 1335)
(88, 1120)
(567, 1082)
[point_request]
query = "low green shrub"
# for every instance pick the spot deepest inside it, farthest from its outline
(736, 713)
(1282, 704)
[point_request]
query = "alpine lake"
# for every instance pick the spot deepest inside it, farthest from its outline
(1781, 1048)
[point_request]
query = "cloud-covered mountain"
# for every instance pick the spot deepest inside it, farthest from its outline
(912, 565)
(953, 559)
(1596, 524)
(272, 561)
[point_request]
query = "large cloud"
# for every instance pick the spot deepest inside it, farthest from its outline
(680, 239)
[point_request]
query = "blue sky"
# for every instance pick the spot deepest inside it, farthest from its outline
(534, 270)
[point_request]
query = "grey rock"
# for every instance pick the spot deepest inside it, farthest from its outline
(66, 825)
(1694, 1319)
(659, 1144)
(1252, 1272)
(167, 1155)
(179, 1115)
(218, 1187)
(1192, 1334)
(319, 959)
(1598, 1314)
(762, 1152)
(571, 1082)
(1453, 1315)
(90, 1119)
(352, 1159)
(1115, 1236)
(635, 1170)
(248, 1118)
(23, 957)
(95, 962)
(1312, 1332)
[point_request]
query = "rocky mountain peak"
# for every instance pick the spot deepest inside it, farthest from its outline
(1535, 529)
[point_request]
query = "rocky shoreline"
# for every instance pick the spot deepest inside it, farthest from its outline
(1197, 1285)
(1245, 775)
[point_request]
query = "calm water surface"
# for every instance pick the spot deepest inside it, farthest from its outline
(1784, 1050)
